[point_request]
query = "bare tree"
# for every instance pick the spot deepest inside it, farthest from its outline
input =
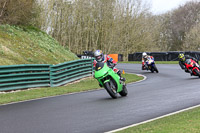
(18, 12)
(192, 39)
(114, 26)
(180, 22)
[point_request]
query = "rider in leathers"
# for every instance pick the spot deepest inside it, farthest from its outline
(144, 59)
(183, 58)
(100, 57)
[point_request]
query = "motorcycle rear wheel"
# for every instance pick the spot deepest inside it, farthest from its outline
(109, 86)
(155, 69)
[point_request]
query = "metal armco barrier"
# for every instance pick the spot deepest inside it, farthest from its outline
(70, 71)
(15, 77)
(24, 76)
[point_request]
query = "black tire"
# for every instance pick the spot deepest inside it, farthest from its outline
(109, 86)
(197, 72)
(152, 69)
(124, 91)
(155, 69)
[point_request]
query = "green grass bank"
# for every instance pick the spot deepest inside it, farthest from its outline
(28, 45)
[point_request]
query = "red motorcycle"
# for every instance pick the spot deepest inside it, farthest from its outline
(192, 67)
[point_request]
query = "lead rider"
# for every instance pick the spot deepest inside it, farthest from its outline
(100, 57)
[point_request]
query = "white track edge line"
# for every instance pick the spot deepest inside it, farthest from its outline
(170, 114)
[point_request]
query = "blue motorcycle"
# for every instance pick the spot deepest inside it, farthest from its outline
(150, 65)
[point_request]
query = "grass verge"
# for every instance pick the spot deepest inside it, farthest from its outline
(83, 85)
(185, 122)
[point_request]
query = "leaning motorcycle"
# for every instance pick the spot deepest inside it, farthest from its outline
(192, 67)
(150, 65)
(110, 80)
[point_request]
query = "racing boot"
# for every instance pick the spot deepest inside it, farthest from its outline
(143, 67)
(190, 71)
(191, 74)
(122, 79)
(146, 66)
(120, 75)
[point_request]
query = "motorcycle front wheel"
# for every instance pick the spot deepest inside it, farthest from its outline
(197, 72)
(111, 89)
(152, 69)
(124, 91)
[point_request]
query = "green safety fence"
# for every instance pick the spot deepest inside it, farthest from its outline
(24, 76)
(70, 71)
(15, 77)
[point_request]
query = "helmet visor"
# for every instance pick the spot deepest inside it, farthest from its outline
(182, 58)
(98, 58)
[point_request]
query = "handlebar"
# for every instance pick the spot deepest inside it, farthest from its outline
(112, 65)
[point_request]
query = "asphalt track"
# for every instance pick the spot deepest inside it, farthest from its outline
(95, 112)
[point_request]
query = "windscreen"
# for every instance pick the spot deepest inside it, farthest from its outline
(188, 61)
(99, 66)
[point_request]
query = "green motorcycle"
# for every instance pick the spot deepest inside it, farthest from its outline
(110, 80)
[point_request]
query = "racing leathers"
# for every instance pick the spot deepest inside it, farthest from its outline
(144, 59)
(182, 63)
(111, 63)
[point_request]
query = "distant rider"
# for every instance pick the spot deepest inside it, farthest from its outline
(100, 57)
(145, 57)
(182, 58)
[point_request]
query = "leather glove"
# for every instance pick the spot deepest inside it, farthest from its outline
(112, 65)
